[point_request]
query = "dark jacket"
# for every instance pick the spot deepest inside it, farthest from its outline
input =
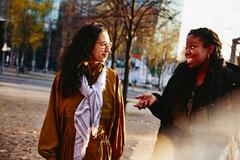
(187, 111)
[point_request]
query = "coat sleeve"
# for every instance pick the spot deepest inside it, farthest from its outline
(162, 108)
(118, 132)
(49, 137)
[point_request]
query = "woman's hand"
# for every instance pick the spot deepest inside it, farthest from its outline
(145, 100)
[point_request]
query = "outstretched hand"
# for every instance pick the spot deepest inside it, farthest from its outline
(145, 100)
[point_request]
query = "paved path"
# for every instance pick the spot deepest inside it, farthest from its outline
(145, 121)
(144, 148)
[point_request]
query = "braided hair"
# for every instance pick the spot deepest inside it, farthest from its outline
(209, 37)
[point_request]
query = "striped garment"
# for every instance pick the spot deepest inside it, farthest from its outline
(87, 115)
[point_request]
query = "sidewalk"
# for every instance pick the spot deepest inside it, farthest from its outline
(28, 74)
(31, 102)
(26, 87)
(141, 126)
(145, 139)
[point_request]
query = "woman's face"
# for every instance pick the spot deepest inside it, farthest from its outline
(102, 48)
(196, 54)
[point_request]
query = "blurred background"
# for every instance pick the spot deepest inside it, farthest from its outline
(148, 35)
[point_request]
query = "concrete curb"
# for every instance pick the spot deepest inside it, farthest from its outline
(30, 74)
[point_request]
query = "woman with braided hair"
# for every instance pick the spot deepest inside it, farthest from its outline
(85, 116)
(199, 108)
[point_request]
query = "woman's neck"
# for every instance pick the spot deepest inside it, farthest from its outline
(201, 74)
(95, 66)
(200, 78)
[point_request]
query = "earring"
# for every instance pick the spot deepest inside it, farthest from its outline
(208, 56)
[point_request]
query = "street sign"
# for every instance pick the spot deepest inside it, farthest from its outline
(5, 47)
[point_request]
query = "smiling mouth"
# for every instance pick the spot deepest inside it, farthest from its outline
(189, 60)
(104, 55)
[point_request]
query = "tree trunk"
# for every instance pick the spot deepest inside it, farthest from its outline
(34, 61)
(127, 57)
(49, 46)
(126, 70)
(113, 57)
(22, 59)
(17, 59)
(114, 46)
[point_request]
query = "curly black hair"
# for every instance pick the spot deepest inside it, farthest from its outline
(78, 51)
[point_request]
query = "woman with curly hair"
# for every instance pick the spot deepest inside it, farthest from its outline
(85, 116)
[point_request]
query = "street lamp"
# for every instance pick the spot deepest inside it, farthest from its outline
(2, 20)
(5, 48)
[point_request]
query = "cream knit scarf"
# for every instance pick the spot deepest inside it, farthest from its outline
(87, 115)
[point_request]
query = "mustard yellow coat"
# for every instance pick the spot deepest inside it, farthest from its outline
(58, 132)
